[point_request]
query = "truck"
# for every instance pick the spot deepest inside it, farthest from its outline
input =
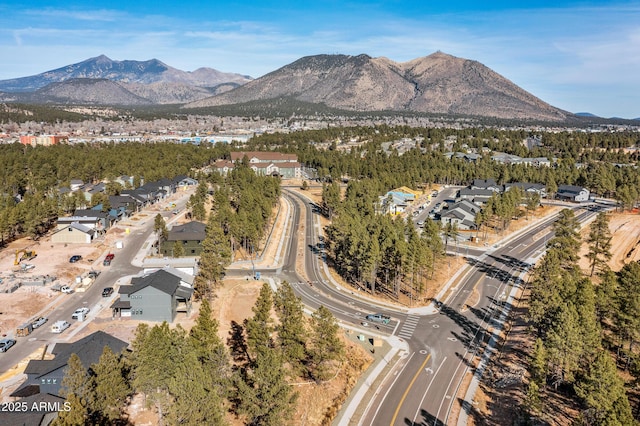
(62, 288)
(24, 329)
(381, 318)
(60, 326)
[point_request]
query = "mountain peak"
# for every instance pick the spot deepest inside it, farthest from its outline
(439, 83)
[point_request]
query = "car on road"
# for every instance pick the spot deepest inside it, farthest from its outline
(38, 322)
(80, 312)
(381, 318)
(420, 222)
(5, 344)
(108, 258)
(75, 258)
(60, 326)
(107, 291)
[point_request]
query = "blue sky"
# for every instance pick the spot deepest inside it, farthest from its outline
(578, 56)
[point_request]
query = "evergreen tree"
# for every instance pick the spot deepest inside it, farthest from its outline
(262, 392)
(628, 302)
(111, 387)
(196, 400)
(291, 330)
(178, 249)
(215, 257)
(210, 350)
(599, 243)
(602, 391)
(160, 228)
(326, 346)
(260, 327)
(78, 391)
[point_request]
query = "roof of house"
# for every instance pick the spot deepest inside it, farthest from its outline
(264, 156)
(570, 189)
(88, 348)
(475, 192)
(35, 417)
(162, 280)
(90, 213)
(190, 231)
(484, 183)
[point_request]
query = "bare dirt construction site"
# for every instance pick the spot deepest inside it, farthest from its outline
(503, 387)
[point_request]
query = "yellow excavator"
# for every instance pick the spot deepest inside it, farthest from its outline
(24, 255)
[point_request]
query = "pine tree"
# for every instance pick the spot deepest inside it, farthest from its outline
(111, 387)
(196, 400)
(178, 249)
(291, 330)
(78, 390)
(215, 257)
(262, 392)
(603, 393)
(210, 350)
(599, 243)
(260, 326)
(325, 343)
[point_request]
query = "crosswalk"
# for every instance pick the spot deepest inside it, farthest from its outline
(409, 326)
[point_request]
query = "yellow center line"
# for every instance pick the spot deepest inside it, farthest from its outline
(406, 392)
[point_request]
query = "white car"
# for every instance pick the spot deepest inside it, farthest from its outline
(38, 322)
(5, 344)
(80, 312)
(59, 326)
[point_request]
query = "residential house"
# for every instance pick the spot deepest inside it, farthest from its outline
(74, 233)
(572, 193)
(462, 213)
(158, 296)
(44, 376)
(528, 188)
(486, 184)
(269, 163)
(187, 265)
(183, 182)
(476, 195)
(190, 234)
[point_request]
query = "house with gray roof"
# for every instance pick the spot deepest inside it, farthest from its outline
(191, 235)
(158, 296)
(574, 193)
(463, 214)
(486, 184)
(44, 376)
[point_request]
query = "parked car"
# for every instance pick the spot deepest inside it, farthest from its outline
(80, 312)
(382, 318)
(107, 291)
(75, 258)
(5, 344)
(420, 222)
(60, 326)
(38, 322)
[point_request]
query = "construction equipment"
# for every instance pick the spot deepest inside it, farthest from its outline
(24, 255)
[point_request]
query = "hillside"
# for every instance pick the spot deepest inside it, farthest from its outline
(438, 83)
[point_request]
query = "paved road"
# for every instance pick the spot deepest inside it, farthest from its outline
(425, 386)
(63, 305)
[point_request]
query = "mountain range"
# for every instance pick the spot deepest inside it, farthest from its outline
(435, 84)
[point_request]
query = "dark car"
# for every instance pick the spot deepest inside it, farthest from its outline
(107, 291)
(5, 344)
(75, 258)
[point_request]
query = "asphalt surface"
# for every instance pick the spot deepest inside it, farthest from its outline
(64, 305)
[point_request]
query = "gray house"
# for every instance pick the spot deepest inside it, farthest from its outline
(463, 214)
(158, 296)
(191, 235)
(45, 376)
(572, 193)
